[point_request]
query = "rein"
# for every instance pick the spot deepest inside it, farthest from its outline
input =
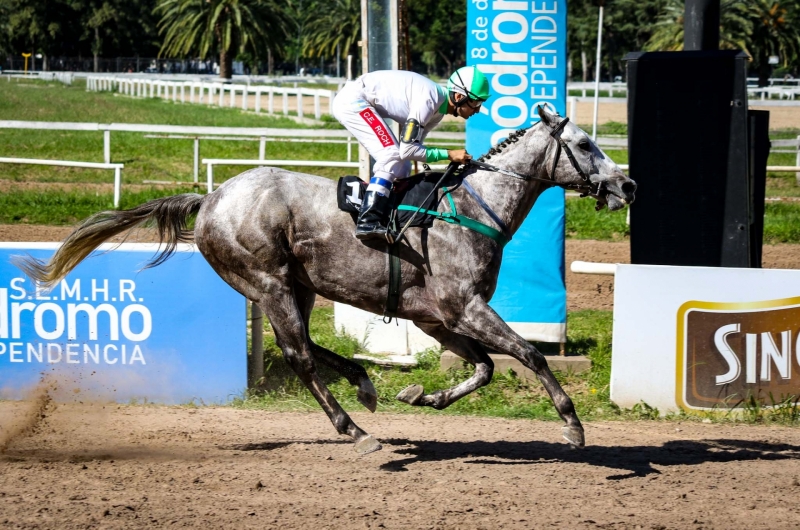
(503, 236)
(587, 187)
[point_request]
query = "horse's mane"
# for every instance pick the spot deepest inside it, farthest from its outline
(512, 138)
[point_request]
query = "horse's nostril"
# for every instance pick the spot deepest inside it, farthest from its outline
(628, 188)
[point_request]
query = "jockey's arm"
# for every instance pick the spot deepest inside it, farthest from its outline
(413, 133)
(412, 148)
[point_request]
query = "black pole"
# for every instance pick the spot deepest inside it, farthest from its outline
(701, 25)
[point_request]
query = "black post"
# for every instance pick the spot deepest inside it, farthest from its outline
(701, 25)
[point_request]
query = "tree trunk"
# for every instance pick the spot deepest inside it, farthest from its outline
(44, 62)
(225, 64)
(447, 62)
(96, 47)
(270, 62)
(584, 66)
(569, 68)
(764, 70)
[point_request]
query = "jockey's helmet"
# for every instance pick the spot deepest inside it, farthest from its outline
(471, 82)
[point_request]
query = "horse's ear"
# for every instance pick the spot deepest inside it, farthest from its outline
(544, 115)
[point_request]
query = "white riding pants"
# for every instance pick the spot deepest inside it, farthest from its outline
(362, 120)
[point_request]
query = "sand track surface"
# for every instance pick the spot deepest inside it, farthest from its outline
(95, 466)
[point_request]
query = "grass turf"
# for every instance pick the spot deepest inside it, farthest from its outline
(589, 333)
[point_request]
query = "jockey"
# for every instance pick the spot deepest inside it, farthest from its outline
(418, 104)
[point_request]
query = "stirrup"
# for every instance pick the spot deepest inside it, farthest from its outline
(378, 232)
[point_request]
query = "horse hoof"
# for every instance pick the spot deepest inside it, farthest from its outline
(573, 435)
(367, 396)
(411, 394)
(367, 445)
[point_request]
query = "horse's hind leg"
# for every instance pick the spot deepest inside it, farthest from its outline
(480, 322)
(468, 349)
(280, 306)
(355, 374)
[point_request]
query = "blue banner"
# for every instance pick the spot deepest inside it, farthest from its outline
(521, 46)
(175, 333)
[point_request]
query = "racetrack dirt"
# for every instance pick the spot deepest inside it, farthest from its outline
(86, 464)
(89, 466)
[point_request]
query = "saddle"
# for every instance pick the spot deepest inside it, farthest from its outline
(407, 196)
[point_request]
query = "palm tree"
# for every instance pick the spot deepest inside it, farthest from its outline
(668, 29)
(762, 28)
(229, 27)
(775, 32)
(336, 25)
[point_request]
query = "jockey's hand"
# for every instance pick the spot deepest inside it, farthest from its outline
(459, 155)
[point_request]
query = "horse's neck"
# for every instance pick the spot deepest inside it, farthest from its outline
(510, 198)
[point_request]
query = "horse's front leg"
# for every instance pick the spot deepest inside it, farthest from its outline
(466, 348)
(480, 322)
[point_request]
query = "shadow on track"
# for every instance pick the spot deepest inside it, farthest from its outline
(635, 461)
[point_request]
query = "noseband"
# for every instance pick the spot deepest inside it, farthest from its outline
(587, 187)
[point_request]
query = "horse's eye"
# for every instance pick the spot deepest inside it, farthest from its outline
(585, 144)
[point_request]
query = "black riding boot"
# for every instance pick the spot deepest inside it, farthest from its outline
(372, 218)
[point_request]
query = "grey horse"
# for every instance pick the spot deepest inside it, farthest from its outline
(278, 238)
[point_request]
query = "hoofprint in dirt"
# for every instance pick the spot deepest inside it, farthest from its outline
(147, 466)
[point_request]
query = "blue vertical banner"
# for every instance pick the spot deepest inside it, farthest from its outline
(521, 46)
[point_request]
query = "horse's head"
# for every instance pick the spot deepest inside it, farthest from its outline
(575, 162)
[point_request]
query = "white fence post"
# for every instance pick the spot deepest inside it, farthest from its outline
(330, 102)
(271, 101)
(210, 178)
(117, 185)
(183, 94)
(316, 105)
(245, 95)
(107, 146)
(573, 109)
(797, 160)
(285, 103)
(221, 94)
(232, 102)
(196, 159)
(262, 147)
(258, 100)
(299, 102)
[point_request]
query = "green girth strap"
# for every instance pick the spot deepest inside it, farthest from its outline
(467, 222)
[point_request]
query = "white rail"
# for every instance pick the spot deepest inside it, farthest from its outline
(588, 267)
(196, 133)
(215, 93)
(68, 163)
(211, 162)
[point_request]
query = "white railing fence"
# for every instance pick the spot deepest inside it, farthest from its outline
(263, 136)
(259, 98)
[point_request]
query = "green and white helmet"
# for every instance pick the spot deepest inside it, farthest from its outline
(471, 82)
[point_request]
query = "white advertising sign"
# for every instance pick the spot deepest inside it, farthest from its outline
(698, 338)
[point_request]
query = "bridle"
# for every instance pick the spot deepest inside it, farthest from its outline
(587, 187)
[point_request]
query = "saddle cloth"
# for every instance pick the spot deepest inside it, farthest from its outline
(411, 191)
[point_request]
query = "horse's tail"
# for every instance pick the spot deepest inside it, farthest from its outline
(169, 214)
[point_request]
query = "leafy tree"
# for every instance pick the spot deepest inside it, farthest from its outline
(336, 25)
(198, 27)
(761, 28)
(667, 32)
(776, 31)
(582, 34)
(99, 15)
(437, 33)
(32, 26)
